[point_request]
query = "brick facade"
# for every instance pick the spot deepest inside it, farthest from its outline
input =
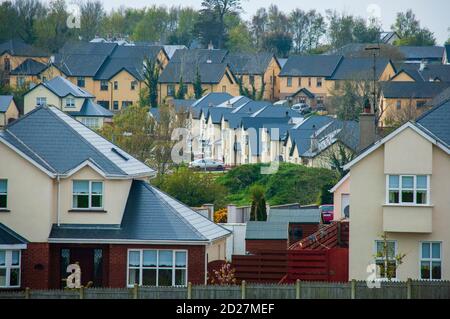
(41, 264)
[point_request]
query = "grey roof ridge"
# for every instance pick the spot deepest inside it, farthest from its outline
(164, 202)
(83, 139)
(30, 149)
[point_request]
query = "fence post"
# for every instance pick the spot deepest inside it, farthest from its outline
(27, 293)
(409, 288)
(135, 291)
(353, 292)
(243, 289)
(189, 290)
(81, 292)
(297, 289)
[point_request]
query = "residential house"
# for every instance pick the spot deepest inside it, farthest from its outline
(403, 101)
(8, 110)
(68, 97)
(28, 73)
(341, 199)
(89, 203)
(415, 54)
(15, 51)
(257, 72)
(422, 72)
(303, 78)
(399, 188)
(185, 65)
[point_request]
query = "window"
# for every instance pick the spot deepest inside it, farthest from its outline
(116, 105)
(251, 79)
(430, 261)
(404, 189)
(116, 85)
(41, 101)
(309, 82)
(170, 90)
(7, 64)
(20, 81)
(126, 104)
(420, 104)
(399, 105)
(104, 85)
(9, 268)
(289, 82)
(319, 82)
(87, 195)
(224, 88)
(133, 85)
(104, 104)
(81, 82)
(157, 267)
(3, 193)
(385, 259)
(91, 122)
(70, 102)
(320, 100)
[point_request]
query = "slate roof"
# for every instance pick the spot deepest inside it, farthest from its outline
(17, 47)
(199, 56)
(431, 72)
(65, 144)
(282, 130)
(276, 112)
(437, 121)
(421, 53)
(441, 98)
(209, 100)
(267, 231)
(301, 216)
(251, 107)
(217, 113)
(29, 67)
(425, 90)
(249, 63)
(359, 68)
(182, 105)
(9, 237)
(79, 64)
(210, 73)
(91, 109)
(5, 101)
(311, 65)
(63, 87)
(87, 48)
(150, 215)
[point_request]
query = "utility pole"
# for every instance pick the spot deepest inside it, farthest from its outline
(374, 49)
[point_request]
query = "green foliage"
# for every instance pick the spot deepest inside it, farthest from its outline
(198, 90)
(181, 92)
(292, 183)
(192, 188)
(258, 210)
(408, 28)
(151, 76)
(240, 39)
(279, 43)
(340, 158)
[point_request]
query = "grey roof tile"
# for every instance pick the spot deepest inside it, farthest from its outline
(92, 109)
(210, 73)
(17, 47)
(29, 67)
(437, 121)
(5, 101)
(9, 237)
(267, 231)
(249, 63)
(63, 87)
(303, 216)
(311, 65)
(426, 90)
(422, 52)
(359, 68)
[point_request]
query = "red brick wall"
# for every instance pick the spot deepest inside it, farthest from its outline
(118, 263)
(253, 245)
(36, 266)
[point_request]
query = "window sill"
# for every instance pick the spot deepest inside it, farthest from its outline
(4, 210)
(88, 211)
(408, 205)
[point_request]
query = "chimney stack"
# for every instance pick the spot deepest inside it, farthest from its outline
(367, 129)
(210, 46)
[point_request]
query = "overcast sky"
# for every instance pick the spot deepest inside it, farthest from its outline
(432, 13)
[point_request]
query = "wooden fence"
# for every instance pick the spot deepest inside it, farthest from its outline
(299, 290)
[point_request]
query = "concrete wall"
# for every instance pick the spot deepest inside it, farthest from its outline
(235, 242)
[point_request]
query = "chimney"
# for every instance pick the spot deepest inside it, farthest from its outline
(423, 65)
(210, 208)
(232, 214)
(367, 130)
(210, 46)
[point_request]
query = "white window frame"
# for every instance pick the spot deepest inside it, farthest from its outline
(431, 259)
(289, 81)
(41, 99)
(141, 267)
(70, 102)
(319, 82)
(8, 266)
(91, 122)
(5, 194)
(380, 258)
(415, 190)
(89, 195)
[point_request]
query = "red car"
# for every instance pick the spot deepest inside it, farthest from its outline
(327, 212)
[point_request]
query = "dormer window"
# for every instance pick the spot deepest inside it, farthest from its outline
(41, 101)
(87, 195)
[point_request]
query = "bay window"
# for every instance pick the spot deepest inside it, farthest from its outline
(9, 268)
(408, 189)
(3, 193)
(151, 267)
(430, 261)
(87, 195)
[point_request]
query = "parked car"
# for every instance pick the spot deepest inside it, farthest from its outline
(207, 164)
(327, 212)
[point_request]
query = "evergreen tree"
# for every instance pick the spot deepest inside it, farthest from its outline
(198, 90)
(151, 77)
(180, 95)
(258, 210)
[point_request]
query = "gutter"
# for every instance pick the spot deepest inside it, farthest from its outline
(58, 197)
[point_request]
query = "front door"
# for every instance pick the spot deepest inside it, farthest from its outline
(90, 261)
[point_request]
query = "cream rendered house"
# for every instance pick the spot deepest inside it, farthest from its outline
(8, 110)
(399, 187)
